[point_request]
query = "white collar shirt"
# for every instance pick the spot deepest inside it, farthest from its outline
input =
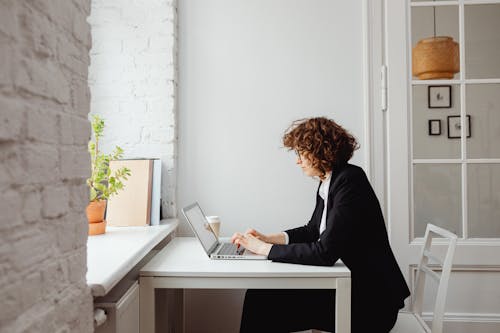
(323, 193)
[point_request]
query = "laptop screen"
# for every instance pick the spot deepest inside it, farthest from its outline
(200, 226)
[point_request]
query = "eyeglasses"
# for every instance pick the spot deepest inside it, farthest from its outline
(297, 152)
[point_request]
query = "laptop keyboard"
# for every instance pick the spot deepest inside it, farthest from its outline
(230, 249)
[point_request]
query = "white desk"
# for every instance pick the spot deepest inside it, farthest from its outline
(184, 264)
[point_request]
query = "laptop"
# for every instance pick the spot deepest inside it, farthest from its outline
(214, 248)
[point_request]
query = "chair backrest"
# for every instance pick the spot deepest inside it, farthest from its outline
(442, 278)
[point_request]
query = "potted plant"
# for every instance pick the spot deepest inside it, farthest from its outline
(102, 182)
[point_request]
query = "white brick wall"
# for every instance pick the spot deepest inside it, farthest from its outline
(44, 102)
(133, 81)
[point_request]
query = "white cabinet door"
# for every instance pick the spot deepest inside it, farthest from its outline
(127, 311)
(122, 314)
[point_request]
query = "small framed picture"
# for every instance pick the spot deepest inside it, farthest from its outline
(454, 127)
(435, 127)
(439, 97)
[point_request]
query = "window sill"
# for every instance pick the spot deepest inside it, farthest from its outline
(112, 255)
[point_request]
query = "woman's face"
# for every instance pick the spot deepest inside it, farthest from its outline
(306, 166)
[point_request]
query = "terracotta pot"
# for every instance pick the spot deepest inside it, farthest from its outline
(436, 58)
(97, 228)
(95, 215)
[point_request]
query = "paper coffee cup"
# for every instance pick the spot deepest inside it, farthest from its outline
(214, 222)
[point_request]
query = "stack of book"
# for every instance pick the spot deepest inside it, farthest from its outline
(139, 202)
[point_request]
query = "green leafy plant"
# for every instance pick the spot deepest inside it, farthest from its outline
(102, 182)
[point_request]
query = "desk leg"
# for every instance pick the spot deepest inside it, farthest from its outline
(147, 304)
(343, 306)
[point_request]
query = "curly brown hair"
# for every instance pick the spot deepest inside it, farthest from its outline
(322, 141)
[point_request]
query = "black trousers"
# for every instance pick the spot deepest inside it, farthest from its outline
(290, 310)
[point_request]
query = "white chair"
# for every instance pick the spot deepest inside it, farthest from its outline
(410, 322)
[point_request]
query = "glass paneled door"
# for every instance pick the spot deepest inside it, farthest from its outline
(455, 122)
(443, 134)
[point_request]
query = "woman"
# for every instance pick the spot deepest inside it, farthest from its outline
(346, 224)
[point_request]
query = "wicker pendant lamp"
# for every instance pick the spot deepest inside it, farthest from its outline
(435, 57)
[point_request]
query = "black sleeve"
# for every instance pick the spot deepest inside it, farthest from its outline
(309, 232)
(343, 207)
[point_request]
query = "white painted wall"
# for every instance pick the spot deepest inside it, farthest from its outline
(132, 78)
(247, 70)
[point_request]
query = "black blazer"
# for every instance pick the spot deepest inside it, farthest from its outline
(355, 232)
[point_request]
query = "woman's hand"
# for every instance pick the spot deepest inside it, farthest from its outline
(254, 233)
(278, 238)
(251, 243)
(258, 235)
